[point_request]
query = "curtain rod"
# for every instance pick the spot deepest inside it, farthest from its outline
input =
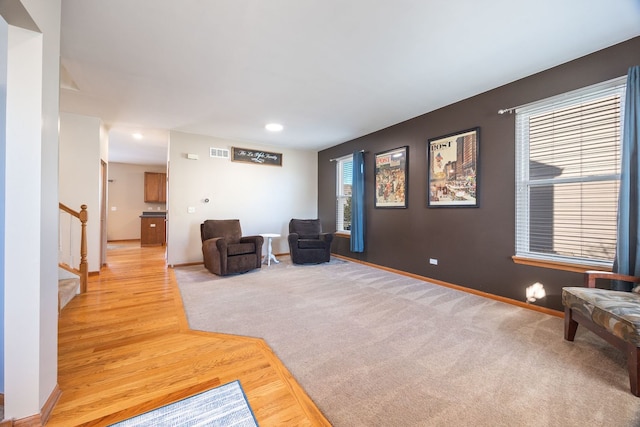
(333, 160)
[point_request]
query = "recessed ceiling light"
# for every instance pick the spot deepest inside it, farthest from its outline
(274, 127)
(137, 135)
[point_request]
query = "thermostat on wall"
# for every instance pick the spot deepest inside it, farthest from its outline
(192, 156)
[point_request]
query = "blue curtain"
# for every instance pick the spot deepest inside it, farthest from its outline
(627, 259)
(357, 203)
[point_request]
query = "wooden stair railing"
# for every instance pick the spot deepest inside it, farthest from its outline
(83, 270)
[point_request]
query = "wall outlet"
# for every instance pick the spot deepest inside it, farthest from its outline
(191, 209)
(433, 261)
(114, 208)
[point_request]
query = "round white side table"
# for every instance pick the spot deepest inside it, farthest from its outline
(270, 256)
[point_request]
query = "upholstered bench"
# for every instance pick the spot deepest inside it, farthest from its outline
(612, 315)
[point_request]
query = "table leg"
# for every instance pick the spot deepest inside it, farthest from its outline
(270, 255)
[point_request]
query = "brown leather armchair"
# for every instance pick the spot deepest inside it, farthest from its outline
(226, 251)
(307, 243)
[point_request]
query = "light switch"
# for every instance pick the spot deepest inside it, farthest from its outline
(113, 208)
(191, 209)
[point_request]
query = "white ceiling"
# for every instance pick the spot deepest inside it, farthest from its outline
(328, 70)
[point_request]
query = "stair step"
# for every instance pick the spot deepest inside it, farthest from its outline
(67, 289)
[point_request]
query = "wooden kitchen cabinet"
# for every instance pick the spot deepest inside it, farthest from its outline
(155, 187)
(153, 231)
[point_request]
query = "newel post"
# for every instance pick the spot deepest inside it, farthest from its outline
(84, 267)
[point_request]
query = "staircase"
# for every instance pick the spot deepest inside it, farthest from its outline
(73, 280)
(67, 289)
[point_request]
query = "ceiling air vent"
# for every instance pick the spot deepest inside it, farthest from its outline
(220, 153)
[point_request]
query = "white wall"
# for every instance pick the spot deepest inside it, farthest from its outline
(102, 191)
(104, 143)
(4, 48)
(263, 197)
(81, 147)
(47, 14)
(126, 199)
(31, 205)
(22, 270)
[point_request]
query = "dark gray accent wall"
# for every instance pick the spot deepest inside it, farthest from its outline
(473, 246)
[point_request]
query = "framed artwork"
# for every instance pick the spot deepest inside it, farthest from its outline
(452, 169)
(391, 176)
(255, 156)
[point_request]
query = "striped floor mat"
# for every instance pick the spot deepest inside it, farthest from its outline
(222, 406)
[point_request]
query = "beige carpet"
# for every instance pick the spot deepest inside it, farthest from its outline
(373, 348)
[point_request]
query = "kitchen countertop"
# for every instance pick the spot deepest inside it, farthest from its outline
(154, 214)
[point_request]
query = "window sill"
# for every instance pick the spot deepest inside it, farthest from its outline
(557, 265)
(342, 234)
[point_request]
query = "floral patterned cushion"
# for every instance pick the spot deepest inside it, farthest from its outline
(616, 311)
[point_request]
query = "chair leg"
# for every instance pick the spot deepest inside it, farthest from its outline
(633, 360)
(570, 325)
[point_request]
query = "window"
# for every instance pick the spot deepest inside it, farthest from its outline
(567, 176)
(344, 171)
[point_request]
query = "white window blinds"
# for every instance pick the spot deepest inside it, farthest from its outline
(567, 175)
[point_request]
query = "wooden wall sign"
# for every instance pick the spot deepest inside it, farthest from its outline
(256, 156)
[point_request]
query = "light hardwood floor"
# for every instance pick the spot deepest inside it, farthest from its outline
(125, 348)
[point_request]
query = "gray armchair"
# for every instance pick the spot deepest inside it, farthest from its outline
(226, 251)
(307, 243)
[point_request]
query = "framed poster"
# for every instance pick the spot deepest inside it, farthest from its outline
(391, 176)
(255, 156)
(452, 168)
